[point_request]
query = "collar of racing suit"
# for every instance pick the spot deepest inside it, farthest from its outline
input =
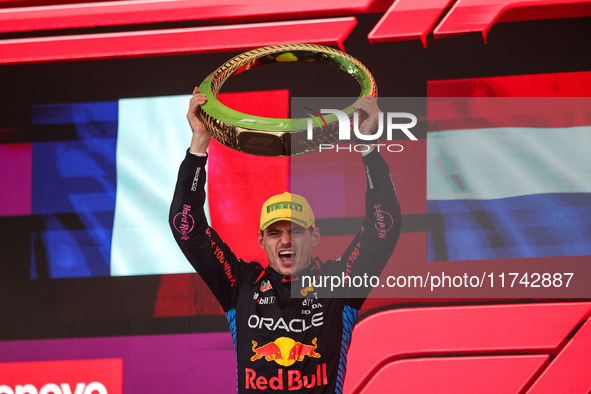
(283, 284)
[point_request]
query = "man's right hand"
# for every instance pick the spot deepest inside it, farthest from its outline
(201, 137)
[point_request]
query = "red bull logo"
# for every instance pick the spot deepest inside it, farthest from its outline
(299, 350)
(290, 379)
(269, 351)
(284, 351)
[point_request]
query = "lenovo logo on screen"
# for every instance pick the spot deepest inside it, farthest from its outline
(62, 377)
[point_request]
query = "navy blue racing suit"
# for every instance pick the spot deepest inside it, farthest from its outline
(286, 344)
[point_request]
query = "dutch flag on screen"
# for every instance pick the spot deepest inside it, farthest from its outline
(510, 177)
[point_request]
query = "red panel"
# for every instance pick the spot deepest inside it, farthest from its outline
(408, 168)
(331, 247)
(409, 257)
(476, 113)
(238, 183)
(15, 178)
(410, 252)
(561, 9)
(456, 375)
(408, 20)
(469, 16)
(184, 295)
(327, 173)
(175, 41)
(398, 334)
(336, 172)
(135, 12)
(569, 371)
(575, 84)
(31, 3)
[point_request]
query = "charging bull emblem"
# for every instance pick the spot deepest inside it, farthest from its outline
(284, 351)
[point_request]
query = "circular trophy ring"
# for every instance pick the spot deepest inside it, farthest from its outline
(276, 136)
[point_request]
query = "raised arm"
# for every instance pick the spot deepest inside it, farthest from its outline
(208, 254)
(373, 245)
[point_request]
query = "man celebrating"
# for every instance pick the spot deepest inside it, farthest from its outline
(285, 344)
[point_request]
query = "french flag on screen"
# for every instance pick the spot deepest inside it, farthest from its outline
(102, 185)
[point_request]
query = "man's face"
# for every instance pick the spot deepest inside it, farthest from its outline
(288, 246)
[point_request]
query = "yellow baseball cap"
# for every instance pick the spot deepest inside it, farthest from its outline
(287, 206)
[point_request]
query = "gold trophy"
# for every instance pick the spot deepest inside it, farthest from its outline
(276, 136)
